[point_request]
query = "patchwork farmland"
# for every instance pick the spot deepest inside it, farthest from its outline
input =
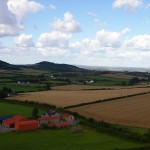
(133, 111)
(62, 98)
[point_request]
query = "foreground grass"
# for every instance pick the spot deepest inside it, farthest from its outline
(6, 108)
(61, 140)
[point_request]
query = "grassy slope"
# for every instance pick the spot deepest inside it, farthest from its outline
(6, 108)
(56, 139)
(62, 140)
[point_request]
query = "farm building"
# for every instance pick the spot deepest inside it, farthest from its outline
(49, 120)
(5, 117)
(62, 124)
(68, 117)
(11, 121)
(26, 125)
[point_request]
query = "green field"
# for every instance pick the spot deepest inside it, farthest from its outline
(23, 87)
(54, 139)
(63, 139)
(6, 108)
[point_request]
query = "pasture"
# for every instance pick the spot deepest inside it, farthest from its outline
(62, 139)
(7, 108)
(68, 98)
(132, 111)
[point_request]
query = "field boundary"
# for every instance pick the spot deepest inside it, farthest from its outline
(104, 100)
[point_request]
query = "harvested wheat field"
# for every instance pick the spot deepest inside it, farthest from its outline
(133, 111)
(67, 98)
(76, 87)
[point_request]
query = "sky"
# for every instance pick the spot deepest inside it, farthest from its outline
(81, 32)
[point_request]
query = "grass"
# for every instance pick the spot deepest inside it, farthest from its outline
(101, 80)
(23, 87)
(7, 108)
(61, 140)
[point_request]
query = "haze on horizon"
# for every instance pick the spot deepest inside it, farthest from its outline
(94, 33)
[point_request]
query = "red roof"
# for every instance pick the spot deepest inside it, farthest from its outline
(62, 124)
(49, 118)
(67, 115)
(27, 122)
(13, 120)
(26, 125)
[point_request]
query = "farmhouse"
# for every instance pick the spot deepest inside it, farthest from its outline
(11, 121)
(57, 120)
(68, 117)
(26, 125)
(49, 120)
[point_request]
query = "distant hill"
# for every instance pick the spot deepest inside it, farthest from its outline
(44, 65)
(6, 66)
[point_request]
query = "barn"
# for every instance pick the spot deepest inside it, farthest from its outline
(26, 125)
(11, 121)
(2, 118)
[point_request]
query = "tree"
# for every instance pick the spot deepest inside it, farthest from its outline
(35, 113)
(134, 81)
(48, 86)
(4, 92)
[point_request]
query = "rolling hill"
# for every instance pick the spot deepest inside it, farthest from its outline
(44, 65)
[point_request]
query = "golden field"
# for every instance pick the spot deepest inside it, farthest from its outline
(62, 98)
(76, 87)
(132, 111)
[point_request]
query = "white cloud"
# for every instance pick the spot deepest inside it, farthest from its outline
(141, 42)
(99, 23)
(104, 41)
(125, 30)
(68, 24)
(54, 43)
(24, 41)
(23, 7)
(8, 21)
(12, 13)
(130, 5)
(92, 14)
(52, 7)
(108, 39)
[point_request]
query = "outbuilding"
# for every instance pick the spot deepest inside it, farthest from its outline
(26, 125)
(2, 118)
(11, 121)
